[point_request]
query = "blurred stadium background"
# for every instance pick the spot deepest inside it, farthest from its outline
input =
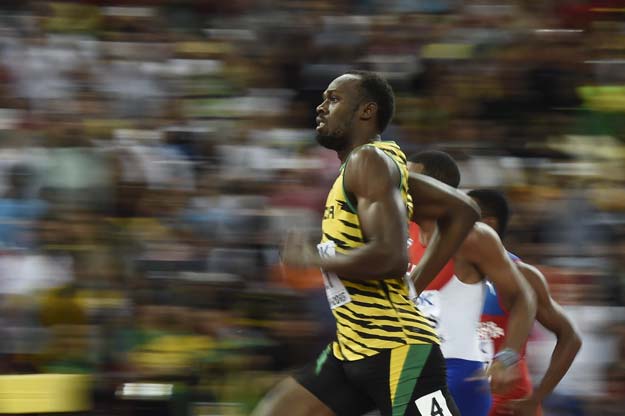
(152, 153)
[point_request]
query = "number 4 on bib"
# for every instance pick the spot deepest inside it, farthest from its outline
(433, 404)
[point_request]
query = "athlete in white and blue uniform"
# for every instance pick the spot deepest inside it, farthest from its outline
(454, 299)
(456, 307)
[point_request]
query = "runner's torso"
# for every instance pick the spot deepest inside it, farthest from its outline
(372, 315)
(454, 306)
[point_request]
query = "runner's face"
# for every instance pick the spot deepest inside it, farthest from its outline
(337, 113)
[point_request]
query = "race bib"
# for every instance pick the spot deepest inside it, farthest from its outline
(335, 291)
(433, 404)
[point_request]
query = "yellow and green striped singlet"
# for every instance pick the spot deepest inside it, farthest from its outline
(371, 315)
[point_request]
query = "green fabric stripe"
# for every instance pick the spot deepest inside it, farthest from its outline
(347, 200)
(345, 194)
(322, 359)
(390, 152)
(401, 175)
(415, 361)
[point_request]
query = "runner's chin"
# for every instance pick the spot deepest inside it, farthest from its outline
(332, 142)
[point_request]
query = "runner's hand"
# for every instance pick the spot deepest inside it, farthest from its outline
(298, 252)
(501, 377)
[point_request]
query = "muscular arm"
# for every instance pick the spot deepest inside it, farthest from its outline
(483, 248)
(552, 316)
(373, 179)
(454, 212)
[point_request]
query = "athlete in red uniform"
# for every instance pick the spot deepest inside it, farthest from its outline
(522, 399)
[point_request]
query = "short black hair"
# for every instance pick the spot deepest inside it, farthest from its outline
(493, 203)
(377, 89)
(438, 165)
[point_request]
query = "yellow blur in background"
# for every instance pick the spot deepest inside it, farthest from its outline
(45, 393)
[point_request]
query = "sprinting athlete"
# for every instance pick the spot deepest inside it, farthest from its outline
(454, 299)
(522, 399)
(385, 354)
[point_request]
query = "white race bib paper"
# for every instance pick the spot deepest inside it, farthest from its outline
(335, 291)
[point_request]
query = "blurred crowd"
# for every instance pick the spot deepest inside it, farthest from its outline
(153, 153)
